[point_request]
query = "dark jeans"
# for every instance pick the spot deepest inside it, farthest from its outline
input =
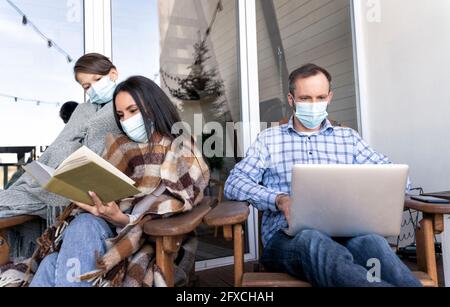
(325, 262)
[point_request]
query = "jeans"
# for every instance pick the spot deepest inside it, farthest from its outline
(366, 261)
(83, 240)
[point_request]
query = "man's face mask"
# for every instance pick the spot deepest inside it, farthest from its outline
(311, 115)
(134, 128)
(102, 92)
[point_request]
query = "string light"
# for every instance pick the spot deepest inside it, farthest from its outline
(50, 43)
(37, 102)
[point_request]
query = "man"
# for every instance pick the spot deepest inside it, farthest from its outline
(263, 178)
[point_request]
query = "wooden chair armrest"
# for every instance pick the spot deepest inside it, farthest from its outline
(228, 213)
(426, 207)
(15, 221)
(181, 224)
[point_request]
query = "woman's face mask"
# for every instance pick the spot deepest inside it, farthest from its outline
(134, 128)
(102, 92)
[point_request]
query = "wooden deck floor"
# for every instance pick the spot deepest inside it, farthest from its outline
(223, 277)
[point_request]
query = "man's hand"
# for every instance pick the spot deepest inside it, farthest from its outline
(284, 205)
(110, 212)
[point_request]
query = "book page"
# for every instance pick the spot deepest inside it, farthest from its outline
(72, 164)
(76, 183)
(84, 156)
(40, 172)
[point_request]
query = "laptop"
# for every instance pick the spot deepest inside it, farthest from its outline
(443, 195)
(348, 200)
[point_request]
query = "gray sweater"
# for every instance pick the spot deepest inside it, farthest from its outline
(88, 126)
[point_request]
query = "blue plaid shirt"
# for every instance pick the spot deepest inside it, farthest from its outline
(266, 171)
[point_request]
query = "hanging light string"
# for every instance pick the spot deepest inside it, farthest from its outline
(50, 42)
(37, 102)
(219, 8)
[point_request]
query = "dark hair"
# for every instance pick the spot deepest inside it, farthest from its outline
(153, 103)
(67, 110)
(306, 71)
(93, 63)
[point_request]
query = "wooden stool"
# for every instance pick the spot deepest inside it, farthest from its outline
(169, 234)
(232, 216)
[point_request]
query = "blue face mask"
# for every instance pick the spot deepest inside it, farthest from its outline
(311, 115)
(134, 128)
(102, 92)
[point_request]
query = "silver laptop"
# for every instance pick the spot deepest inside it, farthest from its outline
(348, 200)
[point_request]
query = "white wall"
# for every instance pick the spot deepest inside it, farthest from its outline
(404, 65)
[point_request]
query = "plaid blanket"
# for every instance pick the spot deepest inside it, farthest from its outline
(176, 166)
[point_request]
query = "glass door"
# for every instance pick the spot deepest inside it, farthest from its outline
(191, 48)
(294, 33)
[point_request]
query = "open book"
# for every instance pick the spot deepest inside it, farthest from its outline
(81, 172)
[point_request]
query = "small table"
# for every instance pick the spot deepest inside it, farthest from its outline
(20, 151)
(436, 220)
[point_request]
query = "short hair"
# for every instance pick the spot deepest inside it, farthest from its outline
(306, 71)
(67, 110)
(93, 63)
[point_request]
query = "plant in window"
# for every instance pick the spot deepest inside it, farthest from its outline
(201, 83)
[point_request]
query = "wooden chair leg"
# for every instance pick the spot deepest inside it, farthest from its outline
(216, 232)
(426, 253)
(238, 255)
(166, 250)
(4, 249)
(420, 250)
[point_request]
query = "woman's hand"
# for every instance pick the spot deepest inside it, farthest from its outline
(110, 212)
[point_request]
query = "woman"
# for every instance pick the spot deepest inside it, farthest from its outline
(89, 125)
(168, 170)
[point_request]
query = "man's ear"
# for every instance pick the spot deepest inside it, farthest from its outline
(290, 99)
(330, 97)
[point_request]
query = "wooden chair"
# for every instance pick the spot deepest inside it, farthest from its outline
(6, 224)
(169, 234)
(233, 215)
